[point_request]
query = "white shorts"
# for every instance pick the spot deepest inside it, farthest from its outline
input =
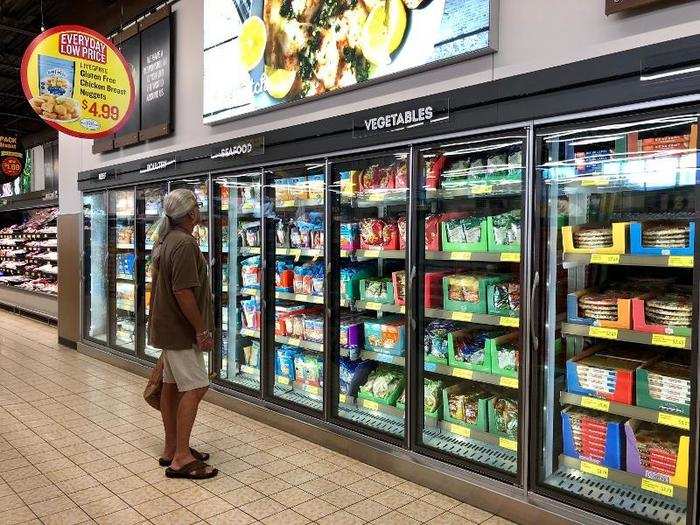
(186, 368)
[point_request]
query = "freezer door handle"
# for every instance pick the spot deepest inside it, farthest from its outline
(533, 294)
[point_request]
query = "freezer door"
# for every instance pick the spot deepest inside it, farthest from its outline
(95, 261)
(618, 358)
(122, 270)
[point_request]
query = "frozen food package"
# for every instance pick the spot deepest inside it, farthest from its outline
(506, 228)
(56, 76)
(436, 338)
(506, 416)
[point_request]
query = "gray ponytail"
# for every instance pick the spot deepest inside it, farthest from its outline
(176, 205)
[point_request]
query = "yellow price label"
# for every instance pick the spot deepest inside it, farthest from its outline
(460, 256)
(370, 253)
(342, 398)
(461, 372)
(376, 197)
(673, 420)
(283, 380)
(681, 261)
(596, 470)
(371, 405)
(656, 486)
(508, 443)
(596, 404)
(460, 430)
(462, 316)
(312, 389)
(603, 333)
(595, 181)
(674, 341)
(294, 342)
(510, 257)
(373, 306)
(513, 322)
(509, 382)
(480, 189)
(602, 258)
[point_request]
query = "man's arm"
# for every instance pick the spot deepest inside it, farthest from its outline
(188, 304)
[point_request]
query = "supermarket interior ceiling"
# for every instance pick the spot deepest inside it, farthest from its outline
(21, 21)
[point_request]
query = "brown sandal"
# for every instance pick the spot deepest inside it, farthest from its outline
(193, 470)
(196, 454)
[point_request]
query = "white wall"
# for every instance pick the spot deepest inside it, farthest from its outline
(534, 34)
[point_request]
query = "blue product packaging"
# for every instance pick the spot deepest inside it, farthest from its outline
(56, 76)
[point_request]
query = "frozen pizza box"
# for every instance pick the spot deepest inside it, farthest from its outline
(606, 373)
(662, 238)
(593, 436)
(604, 309)
(657, 453)
(657, 314)
(664, 385)
(595, 239)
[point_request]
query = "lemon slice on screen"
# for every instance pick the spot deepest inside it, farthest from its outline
(382, 32)
(252, 42)
(279, 82)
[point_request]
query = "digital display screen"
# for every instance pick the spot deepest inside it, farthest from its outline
(263, 53)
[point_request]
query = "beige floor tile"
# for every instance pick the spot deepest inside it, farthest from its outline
(393, 498)
(343, 477)
(387, 479)
(262, 508)
(341, 517)
(412, 489)
(18, 515)
(449, 518)
(232, 517)
(141, 495)
(156, 507)
(440, 500)
(30, 483)
(342, 497)
(286, 517)
(210, 507)
(242, 496)
(11, 501)
(395, 518)
(85, 496)
(126, 516)
(35, 496)
(315, 509)
(318, 486)
(251, 476)
(270, 486)
(119, 486)
(176, 517)
(291, 496)
(367, 487)
(420, 510)
(66, 517)
(52, 506)
(103, 507)
(298, 476)
(70, 486)
(65, 474)
(190, 495)
(112, 474)
(497, 520)
(471, 513)
(54, 464)
(220, 484)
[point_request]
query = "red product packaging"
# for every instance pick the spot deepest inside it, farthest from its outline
(377, 234)
(433, 170)
(432, 233)
(377, 177)
(400, 174)
(285, 279)
(433, 289)
(401, 225)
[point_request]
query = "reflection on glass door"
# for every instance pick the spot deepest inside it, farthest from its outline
(619, 243)
(298, 204)
(123, 271)
(95, 260)
(471, 202)
(239, 235)
(369, 226)
(150, 209)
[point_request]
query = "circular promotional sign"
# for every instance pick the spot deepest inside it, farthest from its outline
(11, 157)
(77, 81)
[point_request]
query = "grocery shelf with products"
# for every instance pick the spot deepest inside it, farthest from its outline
(515, 307)
(619, 244)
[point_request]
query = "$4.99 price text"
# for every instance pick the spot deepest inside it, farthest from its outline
(104, 111)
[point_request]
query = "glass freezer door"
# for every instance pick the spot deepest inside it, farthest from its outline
(297, 216)
(618, 244)
(471, 212)
(237, 201)
(369, 211)
(149, 206)
(122, 272)
(95, 260)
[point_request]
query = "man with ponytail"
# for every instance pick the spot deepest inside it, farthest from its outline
(181, 325)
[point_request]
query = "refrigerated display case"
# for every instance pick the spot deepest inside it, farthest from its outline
(368, 243)
(471, 204)
(238, 241)
(122, 272)
(296, 196)
(200, 187)
(617, 246)
(95, 260)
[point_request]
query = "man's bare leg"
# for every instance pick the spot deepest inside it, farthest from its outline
(186, 414)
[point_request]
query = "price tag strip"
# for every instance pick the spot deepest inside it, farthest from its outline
(595, 470)
(663, 489)
(674, 341)
(673, 420)
(596, 404)
(599, 258)
(679, 261)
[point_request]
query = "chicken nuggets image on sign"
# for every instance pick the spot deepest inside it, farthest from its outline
(77, 82)
(262, 53)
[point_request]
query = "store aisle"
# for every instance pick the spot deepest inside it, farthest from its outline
(79, 445)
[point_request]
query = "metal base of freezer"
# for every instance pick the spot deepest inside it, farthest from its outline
(494, 496)
(34, 304)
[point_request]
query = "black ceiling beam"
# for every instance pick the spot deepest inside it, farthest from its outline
(18, 30)
(19, 116)
(9, 66)
(7, 94)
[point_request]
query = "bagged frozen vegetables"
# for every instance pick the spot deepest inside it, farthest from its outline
(383, 382)
(506, 228)
(435, 338)
(506, 416)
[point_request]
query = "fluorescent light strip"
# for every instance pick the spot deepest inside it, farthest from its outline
(673, 73)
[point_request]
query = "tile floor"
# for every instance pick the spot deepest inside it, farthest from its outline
(79, 445)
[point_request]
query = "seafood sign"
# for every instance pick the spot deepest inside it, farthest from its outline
(262, 53)
(77, 82)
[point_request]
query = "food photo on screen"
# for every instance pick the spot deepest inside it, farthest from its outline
(261, 53)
